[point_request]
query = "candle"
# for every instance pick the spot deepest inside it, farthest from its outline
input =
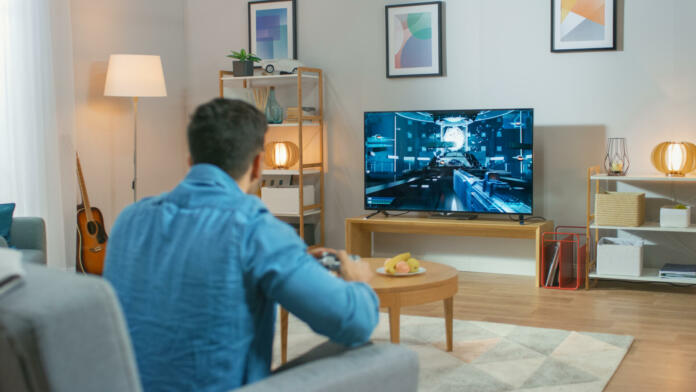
(616, 166)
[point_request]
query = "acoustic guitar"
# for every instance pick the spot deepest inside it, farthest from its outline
(91, 235)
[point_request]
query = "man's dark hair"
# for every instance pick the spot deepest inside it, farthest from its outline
(226, 133)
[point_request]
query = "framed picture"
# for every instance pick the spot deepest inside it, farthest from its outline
(578, 25)
(414, 39)
(273, 29)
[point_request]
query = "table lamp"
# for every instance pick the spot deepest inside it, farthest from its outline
(674, 159)
(281, 155)
(135, 76)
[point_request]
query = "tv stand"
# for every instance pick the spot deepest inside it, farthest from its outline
(359, 231)
(454, 215)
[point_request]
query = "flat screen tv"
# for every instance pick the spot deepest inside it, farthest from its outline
(449, 161)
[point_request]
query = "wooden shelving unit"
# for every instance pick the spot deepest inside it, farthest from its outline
(649, 274)
(304, 169)
(304, 121)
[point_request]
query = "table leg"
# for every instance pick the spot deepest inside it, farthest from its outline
(283, 335)
(394, 316)
(449, 316)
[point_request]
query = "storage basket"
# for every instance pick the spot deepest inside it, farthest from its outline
(620, 209)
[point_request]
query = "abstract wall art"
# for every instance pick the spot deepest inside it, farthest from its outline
(272, 29)
(414, 39)
(583, 25)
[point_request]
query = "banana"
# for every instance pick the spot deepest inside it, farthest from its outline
(390, 264)
(413, 264)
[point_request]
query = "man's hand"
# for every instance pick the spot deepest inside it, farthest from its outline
(317, 252)
(354, 271)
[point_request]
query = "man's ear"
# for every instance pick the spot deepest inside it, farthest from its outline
(256, 167)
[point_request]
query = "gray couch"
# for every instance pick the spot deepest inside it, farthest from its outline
(65, 332)
(28, 235)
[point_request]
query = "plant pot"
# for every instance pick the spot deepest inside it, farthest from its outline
(243, 68)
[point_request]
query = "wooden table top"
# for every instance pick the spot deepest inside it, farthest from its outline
(436, 275)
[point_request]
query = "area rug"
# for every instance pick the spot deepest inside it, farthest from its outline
(491, 357)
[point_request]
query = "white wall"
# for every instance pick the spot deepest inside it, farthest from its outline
(497, 55)
(105, 124)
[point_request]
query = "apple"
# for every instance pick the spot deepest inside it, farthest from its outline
(402, 267)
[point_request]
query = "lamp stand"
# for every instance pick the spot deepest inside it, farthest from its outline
(134, 184)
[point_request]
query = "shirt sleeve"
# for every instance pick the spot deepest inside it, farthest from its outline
(345, 312)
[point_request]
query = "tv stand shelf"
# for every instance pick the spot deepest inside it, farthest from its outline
(359, 231)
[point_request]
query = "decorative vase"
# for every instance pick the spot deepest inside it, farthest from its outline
(243, 68)
(274, 112)
(616, 162)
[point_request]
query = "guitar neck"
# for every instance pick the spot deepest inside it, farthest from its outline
(83, 190)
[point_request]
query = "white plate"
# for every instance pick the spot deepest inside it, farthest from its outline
(381, 271)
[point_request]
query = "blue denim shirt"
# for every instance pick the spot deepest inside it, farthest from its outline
(199, 271)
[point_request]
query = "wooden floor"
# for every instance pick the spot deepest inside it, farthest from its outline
(662, 318)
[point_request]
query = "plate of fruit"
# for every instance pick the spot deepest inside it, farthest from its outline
(401, 265)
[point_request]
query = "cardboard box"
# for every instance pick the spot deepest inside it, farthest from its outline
(286, 200)
(619, 256)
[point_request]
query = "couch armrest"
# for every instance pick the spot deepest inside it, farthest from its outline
(376, 367)
(28, 233)
(3, 243)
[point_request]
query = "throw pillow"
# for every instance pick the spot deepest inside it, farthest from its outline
(6, 211)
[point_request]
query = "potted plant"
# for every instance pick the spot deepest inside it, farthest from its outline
(244, 66)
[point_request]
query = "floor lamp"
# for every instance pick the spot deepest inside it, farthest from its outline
(135, 76)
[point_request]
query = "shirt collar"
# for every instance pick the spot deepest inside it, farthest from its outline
(211, 175)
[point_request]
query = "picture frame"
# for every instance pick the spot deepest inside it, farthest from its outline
(414, 39)
(583, 25)
(273, 29)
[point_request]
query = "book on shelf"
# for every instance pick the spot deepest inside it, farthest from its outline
(670, 270)
(552, 275)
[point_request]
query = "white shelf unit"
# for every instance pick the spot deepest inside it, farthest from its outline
(295, 125)
(315, 75)
(643, 177)
(306, 213)
(291, 77)
(648, 274)
(289, 172)
(648, 226)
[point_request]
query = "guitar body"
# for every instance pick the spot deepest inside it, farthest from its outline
(91, 242)
(91, 234)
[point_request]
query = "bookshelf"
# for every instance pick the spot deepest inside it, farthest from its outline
(594, 178)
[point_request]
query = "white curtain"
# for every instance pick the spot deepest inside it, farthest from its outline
(37, 119)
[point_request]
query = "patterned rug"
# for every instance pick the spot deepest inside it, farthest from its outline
(491, 357)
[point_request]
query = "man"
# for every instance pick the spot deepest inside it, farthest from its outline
(199, 270)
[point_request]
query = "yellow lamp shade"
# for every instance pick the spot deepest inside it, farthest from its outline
(281, 155)
(675, 159)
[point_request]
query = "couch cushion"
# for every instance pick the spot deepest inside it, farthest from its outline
(6, 211)
(33, 256)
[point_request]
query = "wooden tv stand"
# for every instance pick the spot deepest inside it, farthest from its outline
(359, 231)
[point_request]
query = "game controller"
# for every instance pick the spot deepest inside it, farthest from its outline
(331, 262)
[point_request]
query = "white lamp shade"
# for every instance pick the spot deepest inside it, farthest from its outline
(135, 75)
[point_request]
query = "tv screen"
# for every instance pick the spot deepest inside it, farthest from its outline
(473, 161)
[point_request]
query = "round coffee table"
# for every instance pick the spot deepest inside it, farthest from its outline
(439, 282)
